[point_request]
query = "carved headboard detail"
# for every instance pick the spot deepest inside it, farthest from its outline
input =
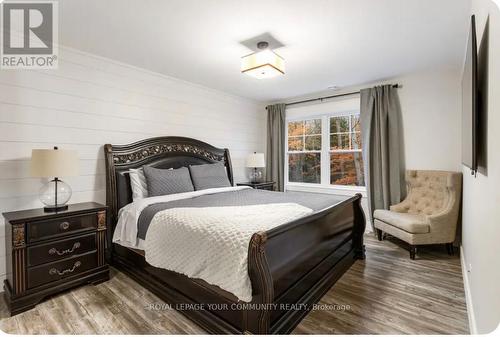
(155, 150)
(160, 152)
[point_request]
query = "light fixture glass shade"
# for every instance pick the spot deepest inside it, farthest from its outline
(256, 160)
(263, 64)
(48, 194)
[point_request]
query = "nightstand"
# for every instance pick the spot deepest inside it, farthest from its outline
(51, 252)
(267, 185)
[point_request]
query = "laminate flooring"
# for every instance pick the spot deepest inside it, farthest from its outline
(385, 294)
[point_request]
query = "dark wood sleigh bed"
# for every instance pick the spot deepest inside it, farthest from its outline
(290, 267)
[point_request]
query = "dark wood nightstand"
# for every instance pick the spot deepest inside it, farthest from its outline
(50, 252)
(267, 185)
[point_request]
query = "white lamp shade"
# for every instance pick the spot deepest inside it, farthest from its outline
(256, 160)
(54, 163)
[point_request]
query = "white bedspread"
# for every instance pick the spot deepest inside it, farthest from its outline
(211, 243)
(125, 232)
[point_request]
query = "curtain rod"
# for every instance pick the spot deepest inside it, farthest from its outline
(332, 96)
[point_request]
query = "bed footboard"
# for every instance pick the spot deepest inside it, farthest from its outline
(292, 266)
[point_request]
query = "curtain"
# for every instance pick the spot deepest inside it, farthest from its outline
(383, 149)
(276, 145)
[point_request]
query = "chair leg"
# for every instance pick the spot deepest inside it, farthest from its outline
(449, 248)
(413, 251)
(379, 234)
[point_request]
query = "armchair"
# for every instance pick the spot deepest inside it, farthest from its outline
(428, 215)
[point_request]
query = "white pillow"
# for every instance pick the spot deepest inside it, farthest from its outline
(138, 184)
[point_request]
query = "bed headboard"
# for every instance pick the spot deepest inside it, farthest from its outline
(159, 152)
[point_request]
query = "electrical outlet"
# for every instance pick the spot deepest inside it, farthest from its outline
(469, 267)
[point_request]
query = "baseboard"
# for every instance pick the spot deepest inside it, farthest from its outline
(468, 298)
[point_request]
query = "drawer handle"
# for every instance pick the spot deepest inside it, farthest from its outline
(64, 225)
(53, 251)
(54, 271)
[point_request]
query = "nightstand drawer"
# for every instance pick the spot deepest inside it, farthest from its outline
(48, 229)
(57, 270)
(59, 250)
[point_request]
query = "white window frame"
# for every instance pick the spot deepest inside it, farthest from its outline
(305, 119)
(325, 155)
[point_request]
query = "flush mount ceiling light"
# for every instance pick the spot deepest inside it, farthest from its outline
(263, 64)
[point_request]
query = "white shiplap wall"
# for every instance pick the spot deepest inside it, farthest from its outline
(90, 101)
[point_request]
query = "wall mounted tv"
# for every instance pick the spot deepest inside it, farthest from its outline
(470, 102)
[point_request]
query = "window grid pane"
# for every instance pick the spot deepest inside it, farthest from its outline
(339, 124)
(296, 128)
(346, 168)
(296, 143)
(357, 145)
(339, 141)
(312, 127)
(313, 143)
(304, 167)
(355, 123)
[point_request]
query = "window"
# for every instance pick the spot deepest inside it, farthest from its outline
(326, 150)
(346, 160)
(304, 151)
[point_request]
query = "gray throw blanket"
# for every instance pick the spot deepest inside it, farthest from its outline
(314, 201)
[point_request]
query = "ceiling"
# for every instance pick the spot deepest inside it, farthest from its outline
(326, 42)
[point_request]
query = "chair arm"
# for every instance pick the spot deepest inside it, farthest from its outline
(402, 207)
(449, 212)
(444, 223)
(443, 218)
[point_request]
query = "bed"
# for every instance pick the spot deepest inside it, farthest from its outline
(290, 266)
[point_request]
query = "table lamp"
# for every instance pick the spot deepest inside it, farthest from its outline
(255, 160)
(46, 163)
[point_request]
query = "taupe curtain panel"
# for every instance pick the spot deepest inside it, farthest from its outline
(276, 144)
(383, 148)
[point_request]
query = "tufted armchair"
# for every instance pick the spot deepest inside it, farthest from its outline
(428, 215)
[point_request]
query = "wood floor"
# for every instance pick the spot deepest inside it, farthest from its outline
(386, 294)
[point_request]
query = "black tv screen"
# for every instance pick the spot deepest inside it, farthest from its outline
(469, 102)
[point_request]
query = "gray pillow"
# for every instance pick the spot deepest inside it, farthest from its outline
(162, 182)
(209, 176)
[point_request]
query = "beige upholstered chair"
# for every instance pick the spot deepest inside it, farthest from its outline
(428, 215)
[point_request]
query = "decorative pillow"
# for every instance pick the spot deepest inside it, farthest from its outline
(138, 184)
(209, 176)
(162, 182)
